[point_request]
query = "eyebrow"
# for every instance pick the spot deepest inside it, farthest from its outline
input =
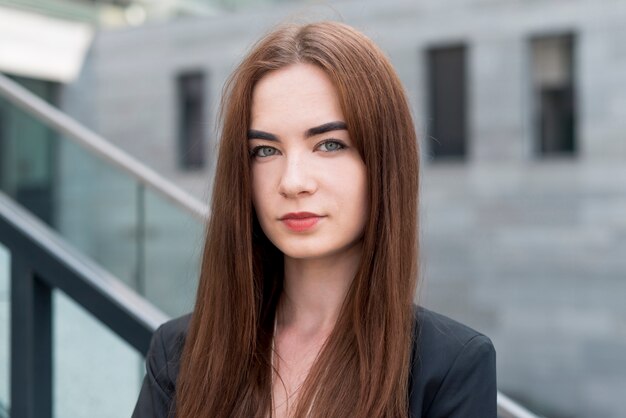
(254, 134)
(316, 130)
(327, 127)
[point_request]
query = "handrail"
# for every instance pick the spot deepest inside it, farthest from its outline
(40, 262)
(86, 138)
(61, 266)
(507, 408)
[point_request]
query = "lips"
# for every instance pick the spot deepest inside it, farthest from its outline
(301, 221)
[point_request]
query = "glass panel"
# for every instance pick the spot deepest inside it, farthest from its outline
(173, 247)
(96, 374)
(5, 326)
(102, 211)
(26, 164)
(96, 209)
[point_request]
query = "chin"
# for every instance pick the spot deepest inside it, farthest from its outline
(305, 251)
(313, 249)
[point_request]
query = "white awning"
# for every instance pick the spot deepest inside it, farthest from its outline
(42, 47)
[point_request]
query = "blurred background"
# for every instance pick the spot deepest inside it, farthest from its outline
(520, 107)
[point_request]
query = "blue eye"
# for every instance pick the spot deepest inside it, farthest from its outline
(263, 151)
(331, 145)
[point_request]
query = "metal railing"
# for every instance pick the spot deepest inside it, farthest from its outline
(41, 262)
(507, 408)
(129, 305)
(96, 176)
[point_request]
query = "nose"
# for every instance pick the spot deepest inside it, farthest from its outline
(297, 178)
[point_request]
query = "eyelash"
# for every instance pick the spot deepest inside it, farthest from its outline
(255, 150)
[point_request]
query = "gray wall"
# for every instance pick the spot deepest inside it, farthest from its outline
(528, 250)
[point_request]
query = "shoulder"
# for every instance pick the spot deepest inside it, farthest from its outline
(453, 368)
(156, 396)
(436, 333)
(174, 330)
(163, 358)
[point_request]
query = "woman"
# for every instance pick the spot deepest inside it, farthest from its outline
(305, 302)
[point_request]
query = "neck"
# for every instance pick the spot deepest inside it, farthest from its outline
(315, 289)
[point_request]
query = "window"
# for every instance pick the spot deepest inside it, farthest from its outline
(553, 95)
(447, 102)
(191, 121)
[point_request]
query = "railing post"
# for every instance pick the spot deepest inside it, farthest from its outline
(31, 343)
(140, 241)
(140, 255)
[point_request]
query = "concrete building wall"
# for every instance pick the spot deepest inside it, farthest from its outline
(528, 250)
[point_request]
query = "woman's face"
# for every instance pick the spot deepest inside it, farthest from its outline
(309, 183)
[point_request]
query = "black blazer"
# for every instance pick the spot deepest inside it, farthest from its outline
(453, 370)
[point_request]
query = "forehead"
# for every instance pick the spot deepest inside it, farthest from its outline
(298, 96)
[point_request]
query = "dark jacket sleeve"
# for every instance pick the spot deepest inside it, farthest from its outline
(155, 397)
(468, 389)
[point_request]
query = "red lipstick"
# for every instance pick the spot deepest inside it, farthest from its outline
(301, 221)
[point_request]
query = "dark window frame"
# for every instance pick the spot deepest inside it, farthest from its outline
(447, 141)
(192, 125)
(551, 105)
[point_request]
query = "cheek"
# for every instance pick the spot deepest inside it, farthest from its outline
(264, 191)
(359, 176)
(259, 194)
(354, 197)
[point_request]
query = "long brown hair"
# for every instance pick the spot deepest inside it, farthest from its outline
(363, 368)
